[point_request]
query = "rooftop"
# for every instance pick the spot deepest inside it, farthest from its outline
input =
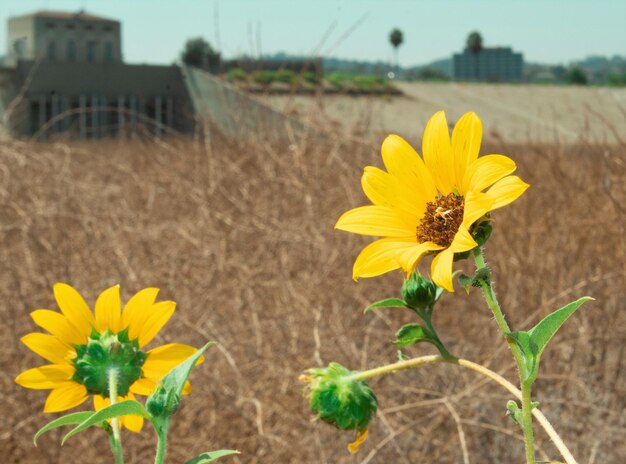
(81, 14)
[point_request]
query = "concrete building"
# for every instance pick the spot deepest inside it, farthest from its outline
(65, 73)
(63, 37)
(498, 64)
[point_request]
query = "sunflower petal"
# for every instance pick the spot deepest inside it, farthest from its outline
(506, 191)
(486, 170)
(143, 386)
(164, 358)
(437, 151)
(73, 307)
(66, 396)
(404, 164)
(136, 309)
(379, 221)
(45, 377)
(108, 310)
(186, 388)
(49, 347)
(477, 204)
(441, 269)
(410, 257)
(58, 325)
(384, 190)
(160, 314)
(466, 139)
(131, 422)
(463, 240)
(381, 256)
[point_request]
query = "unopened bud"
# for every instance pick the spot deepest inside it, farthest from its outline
(418, 292)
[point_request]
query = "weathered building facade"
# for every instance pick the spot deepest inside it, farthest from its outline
(65, 74)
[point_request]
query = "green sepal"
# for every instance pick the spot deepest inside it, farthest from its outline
(68, 419)
(387, 303)
(533, 342)
(482, 231)
(466, 282)
(410, 334)
(163, 401)
(211, 456)
(123, 408)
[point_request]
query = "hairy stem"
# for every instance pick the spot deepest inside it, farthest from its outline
(482, 370)
(527, 423)
(492, 302)
(162, 442)
(116, 439)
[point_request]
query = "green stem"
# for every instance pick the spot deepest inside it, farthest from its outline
(527, 422)
(115, 438)
(427, 318)
(492, 302)
(482, 370)
(162, 442)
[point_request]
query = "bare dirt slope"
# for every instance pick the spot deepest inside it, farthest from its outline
(241, 236)
(513, 113)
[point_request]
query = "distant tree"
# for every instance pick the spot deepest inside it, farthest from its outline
(199, 53)
(396, 37)
(475, 45)
(474, 42)
(576, 76)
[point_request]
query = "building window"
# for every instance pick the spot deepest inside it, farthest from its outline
(91, 51)
(108, 51)
(50, 25)
(70, 26)
(52, 50)
(19, 48)
(108, 28)
(89, 27)
(71, 51)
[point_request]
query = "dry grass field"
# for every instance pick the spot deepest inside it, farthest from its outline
(241, 236)
(513, 113)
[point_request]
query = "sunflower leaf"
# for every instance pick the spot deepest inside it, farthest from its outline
(533, 342)
(543, 332)
(387, 303)
(68, 419)
(211, 456)
(123, 408)
(163, 402)
(410, 334)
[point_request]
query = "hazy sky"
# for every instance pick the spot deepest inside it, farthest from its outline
(555, 31)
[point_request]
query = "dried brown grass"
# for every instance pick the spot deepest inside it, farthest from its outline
(241, 236)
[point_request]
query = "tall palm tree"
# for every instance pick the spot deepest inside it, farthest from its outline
(475, 45)
(396, 37)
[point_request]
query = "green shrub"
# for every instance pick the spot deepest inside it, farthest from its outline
(263, 77)
(236, 74)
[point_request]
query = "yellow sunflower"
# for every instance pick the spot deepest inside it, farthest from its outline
(86, 348)
(429, 206)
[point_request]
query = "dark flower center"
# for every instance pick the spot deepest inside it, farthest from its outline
(103, 353)
(442, 220)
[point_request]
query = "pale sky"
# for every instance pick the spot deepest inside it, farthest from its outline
(547, 31)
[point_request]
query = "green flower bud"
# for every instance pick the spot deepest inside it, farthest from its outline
(337, 398)
(163, 402)
(418, 292)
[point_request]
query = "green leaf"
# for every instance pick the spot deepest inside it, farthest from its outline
(211, 456)
(533, 342)
(438, 292)
(175, 379)
(123, 408)
(68, 419)
(545, 330)
(411, 334)
(387, 303)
